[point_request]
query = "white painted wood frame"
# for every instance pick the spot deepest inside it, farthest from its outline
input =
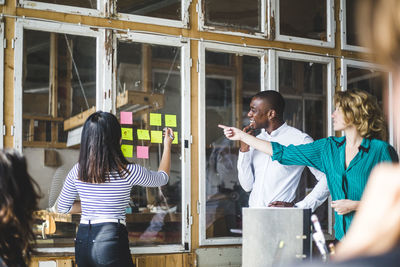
(343, 32)
(330, 63)
(330, 26)
(55, 27)
(230, 31)
(183, 23)
(97, 12)
(201, 207)
(371, 66)
(185, 134)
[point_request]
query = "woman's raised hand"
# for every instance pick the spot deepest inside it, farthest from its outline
(231, 133)
(168, 136)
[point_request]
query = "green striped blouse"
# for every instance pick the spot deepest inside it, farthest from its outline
(328, 156)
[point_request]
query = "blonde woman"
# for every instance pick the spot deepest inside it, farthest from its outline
(347, 161)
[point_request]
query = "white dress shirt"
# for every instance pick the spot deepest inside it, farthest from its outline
(269, 180)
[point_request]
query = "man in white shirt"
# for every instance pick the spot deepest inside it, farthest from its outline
(271, 183)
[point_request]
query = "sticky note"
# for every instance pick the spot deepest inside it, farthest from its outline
(125, 117)
(156, 137)
(142, 152)
(175, 141)
(170, 120)
(127, 150)
(127, 133)
(155, 119)
(143, 134)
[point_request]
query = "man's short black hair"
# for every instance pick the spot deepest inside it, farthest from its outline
(274, 99)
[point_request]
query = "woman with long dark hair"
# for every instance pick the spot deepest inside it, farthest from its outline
(19, 197)
(103, 179)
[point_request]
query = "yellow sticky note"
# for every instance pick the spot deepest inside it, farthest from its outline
(127, 150)
(127, 133)
(175, 141)
(170, 120)
(143, 134)
(156, 137)
(155, 119)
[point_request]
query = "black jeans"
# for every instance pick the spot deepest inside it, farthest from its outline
(102, 244)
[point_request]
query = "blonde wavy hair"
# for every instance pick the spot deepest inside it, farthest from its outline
(362, 110)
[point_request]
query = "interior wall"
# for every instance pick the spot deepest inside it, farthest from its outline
(44, 175)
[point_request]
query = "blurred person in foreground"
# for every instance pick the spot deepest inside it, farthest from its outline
(374, 238)
(19, 197)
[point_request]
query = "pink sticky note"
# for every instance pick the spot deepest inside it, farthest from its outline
(126, 117)
(142, 152)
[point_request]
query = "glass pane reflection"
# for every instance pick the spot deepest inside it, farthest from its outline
(372, 81)
(165, 9)
(352, 34)
(234, 14)
(304, 86)
(58, 82)
(231, 81)
(77, 3)
(149, 81)
(306, 19)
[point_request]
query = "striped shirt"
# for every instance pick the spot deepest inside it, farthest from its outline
(328, 156)
(106, 200)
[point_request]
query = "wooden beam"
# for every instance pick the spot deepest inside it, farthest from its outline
(78, 120)
(53, 105)
(238, 63)
(153, 100)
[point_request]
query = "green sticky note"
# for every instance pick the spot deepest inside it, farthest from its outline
(127, 133)
(175, 141)
(155, 119)
(143, 134)
(170, 120)
(127, 150)
(156, 137)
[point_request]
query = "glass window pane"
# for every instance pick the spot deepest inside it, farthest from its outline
(231, 81)
(306, 19)
(235, 14)
(368, 80)
(77, 3)
(372, 81)
(304, 88)
(149, 82)
(352, 34)
(164, 9)
(58, 82)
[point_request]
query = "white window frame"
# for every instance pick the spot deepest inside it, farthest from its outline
(185, 136)
(183, 23)
(330, 30)
(343, 34)
(2, 47)
(99, 12)
(203, 46)
(370, 66)
(260, 35)
(330, 62)
(55, 27)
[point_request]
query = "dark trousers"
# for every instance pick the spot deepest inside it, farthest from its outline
(102, 244)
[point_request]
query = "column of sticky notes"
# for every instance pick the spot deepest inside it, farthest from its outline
(154, 135)
(126, 133)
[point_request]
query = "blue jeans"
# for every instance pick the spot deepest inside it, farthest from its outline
(102, 244)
